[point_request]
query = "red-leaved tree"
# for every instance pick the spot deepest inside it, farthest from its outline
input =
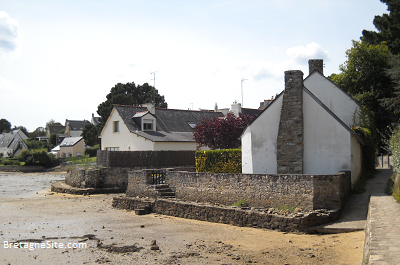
(222, 133)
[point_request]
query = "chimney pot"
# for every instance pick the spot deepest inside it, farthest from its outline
(316, 64)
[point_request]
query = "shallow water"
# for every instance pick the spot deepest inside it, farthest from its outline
(27, 184)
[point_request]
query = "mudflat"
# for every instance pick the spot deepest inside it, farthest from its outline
(41, 227)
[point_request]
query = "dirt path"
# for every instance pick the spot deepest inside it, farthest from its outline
(120, 237)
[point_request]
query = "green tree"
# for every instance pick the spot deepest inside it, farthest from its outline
(22, 128)
(53, 139)
(388, 26)
(5, 126)
(129, 94)
(52, 122)
(39, 131)
(393, 103)
(90, 134)
(364, 76)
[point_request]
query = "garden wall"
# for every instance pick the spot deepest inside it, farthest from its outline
(97, 178)
(258, 190)
(257, 218)
(149, 159)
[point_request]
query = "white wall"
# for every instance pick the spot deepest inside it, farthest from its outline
(124, 139)
(174, 146)
(338, 101)
(356, 159)
(259, 141)
(327, 143)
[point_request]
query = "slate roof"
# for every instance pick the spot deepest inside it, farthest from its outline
(55, 129)
(13, 140)
(251, 112)
(70, 141)
(171, 125)
(75, 125)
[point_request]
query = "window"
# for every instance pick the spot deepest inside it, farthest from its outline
(112, 148)
(116, 126)
(192, 124)
(147, 125)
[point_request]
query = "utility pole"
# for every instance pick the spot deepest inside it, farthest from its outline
(154, 87)
(241, 84)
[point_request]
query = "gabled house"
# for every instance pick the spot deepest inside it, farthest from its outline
(70, 146)
(305, 130)
(12, 142)
(132, 128)
(95, 120)
(74, 128)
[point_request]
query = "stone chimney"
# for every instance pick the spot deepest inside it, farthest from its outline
(290, 134)
(316, 64)
(236, 108)
(150, 107)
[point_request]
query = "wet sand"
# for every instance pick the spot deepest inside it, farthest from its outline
(120, 237)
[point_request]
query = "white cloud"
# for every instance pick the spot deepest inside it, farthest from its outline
(301, 54)
(6, 84)
(11, 35)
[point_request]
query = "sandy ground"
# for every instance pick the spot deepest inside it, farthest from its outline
(112, 236)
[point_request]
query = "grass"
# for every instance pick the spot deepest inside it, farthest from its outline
(80, 160)
(240, 203)
(285, 208)
(393, 187)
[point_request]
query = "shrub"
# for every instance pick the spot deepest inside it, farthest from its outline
(6, 162)
(92, 151)
(219, 161)
(37, 157)
(368, 151)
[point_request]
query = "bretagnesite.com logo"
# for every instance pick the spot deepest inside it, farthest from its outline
(43, 245)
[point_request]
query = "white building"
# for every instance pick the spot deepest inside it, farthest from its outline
(132, 128)
(322, 142)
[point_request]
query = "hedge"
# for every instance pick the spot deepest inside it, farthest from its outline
(219, 161)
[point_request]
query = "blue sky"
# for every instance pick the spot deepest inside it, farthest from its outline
(59, 59)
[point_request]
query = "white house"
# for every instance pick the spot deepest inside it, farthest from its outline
(132, 128)
(305, 130)
(12, 142)
(70, 146)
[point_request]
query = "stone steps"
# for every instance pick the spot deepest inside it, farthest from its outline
(164, 191)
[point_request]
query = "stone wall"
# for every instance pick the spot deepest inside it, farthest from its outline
(290, 133)
(145, 159)
(23, 169)
(258, 218)
(97, 177)
(258, 190)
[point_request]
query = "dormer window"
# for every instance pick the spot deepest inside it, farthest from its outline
(147, 125)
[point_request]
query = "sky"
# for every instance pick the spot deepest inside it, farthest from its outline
(59, 59)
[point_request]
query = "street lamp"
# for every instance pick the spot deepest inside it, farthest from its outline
(241, 84)
(154, 87)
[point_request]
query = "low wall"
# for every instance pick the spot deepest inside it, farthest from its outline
(258, 190)
(230, 215)
(149, 159)
(22, 169)
(97, 177)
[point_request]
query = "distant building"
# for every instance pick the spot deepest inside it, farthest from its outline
(12, 142)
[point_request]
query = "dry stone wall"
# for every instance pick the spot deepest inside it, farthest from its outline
(258, 190)
(248, 217)
(97, 177)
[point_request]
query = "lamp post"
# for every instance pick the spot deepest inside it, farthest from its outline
(241, 84)
(154, 87)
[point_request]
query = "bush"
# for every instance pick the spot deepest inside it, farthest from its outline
(37, 157)
(219, 161)
(92, 151)
(368, 151)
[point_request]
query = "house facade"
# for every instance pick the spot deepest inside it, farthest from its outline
(74, 128)
(132, 128)
(305, 130)
(70, 146)
(12, 142)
